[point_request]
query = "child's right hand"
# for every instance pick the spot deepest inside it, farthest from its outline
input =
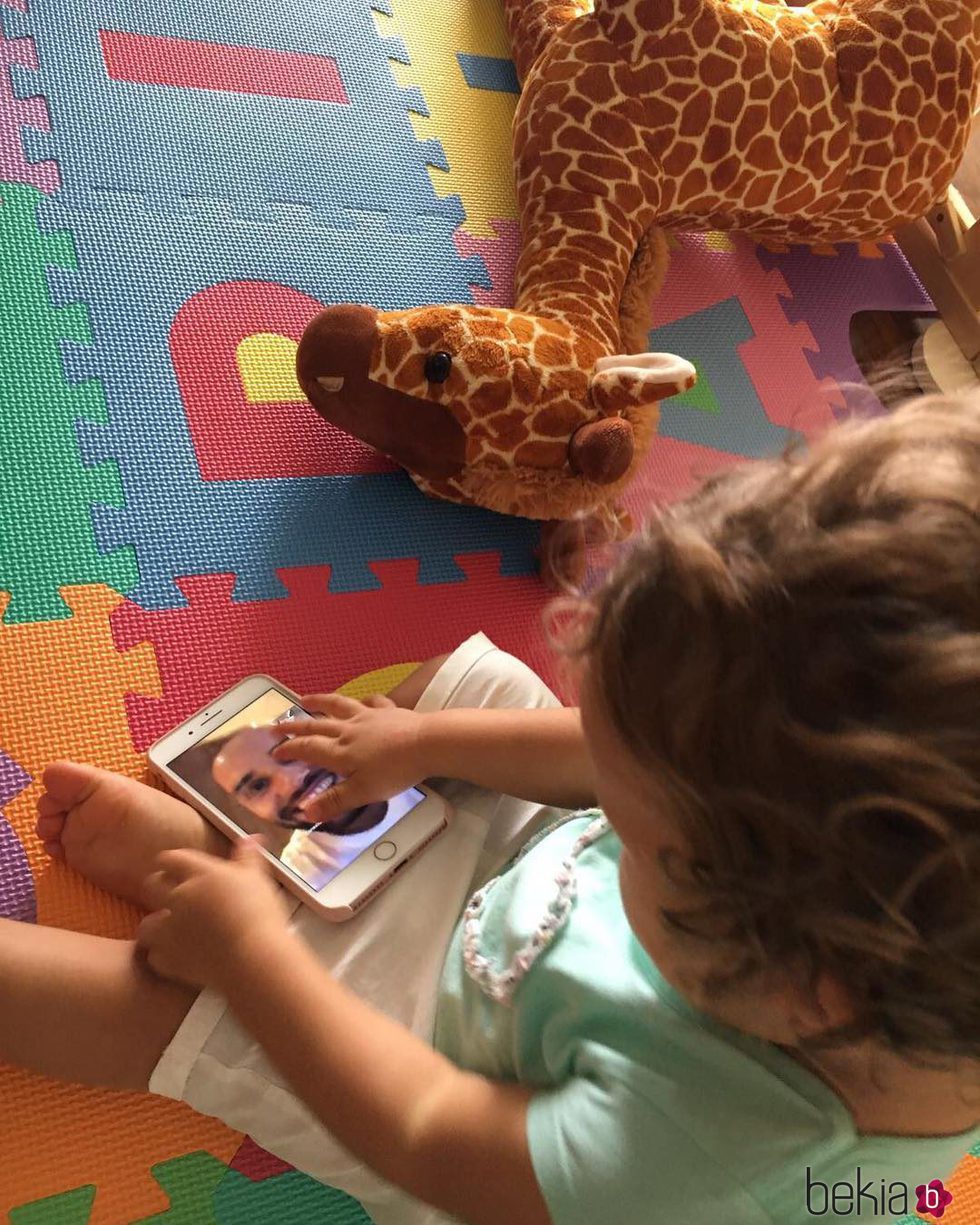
(377, 746)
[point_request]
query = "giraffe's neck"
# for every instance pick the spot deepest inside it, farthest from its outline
(574, 265)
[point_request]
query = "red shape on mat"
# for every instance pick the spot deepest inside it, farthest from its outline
(256, 1164)
(314, 640)
(236, 440)
(150, 60)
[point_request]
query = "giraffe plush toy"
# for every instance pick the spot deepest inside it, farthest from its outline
(834, 121)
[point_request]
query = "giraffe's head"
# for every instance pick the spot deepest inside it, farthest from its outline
(505, 410)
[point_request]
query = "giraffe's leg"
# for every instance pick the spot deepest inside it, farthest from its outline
(532, 23)
(643, 282)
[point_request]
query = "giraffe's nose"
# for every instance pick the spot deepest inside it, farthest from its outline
(602, 451)
(334, 368)
(337, 345)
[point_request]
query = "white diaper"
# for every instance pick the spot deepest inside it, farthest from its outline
(391, 955)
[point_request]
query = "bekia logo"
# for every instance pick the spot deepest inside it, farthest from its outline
(865, 1197)
(933, 1198)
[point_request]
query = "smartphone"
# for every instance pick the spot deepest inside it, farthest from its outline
(220, 761)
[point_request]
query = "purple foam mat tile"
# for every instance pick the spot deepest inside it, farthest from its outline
(13, 779)
(17, 899)
(827, 291)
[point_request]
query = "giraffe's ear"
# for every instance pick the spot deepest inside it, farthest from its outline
(636, 380)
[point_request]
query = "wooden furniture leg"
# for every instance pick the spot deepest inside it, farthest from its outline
(944, 250)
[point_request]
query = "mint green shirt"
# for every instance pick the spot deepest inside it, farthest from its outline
(649, 1112)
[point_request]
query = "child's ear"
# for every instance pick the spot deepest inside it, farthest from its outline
(826, 1006)
(638, 380)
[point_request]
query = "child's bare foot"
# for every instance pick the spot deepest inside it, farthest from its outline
(111, 828)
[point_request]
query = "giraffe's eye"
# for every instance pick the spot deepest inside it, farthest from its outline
(438, 367)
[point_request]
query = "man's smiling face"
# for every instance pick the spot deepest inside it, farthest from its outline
(271, 790)
(281, 791)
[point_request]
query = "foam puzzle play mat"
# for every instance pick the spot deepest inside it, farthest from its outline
(181, 187)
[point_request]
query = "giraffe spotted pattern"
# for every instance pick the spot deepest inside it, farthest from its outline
(826, 123)
(519, 388)
(833, 121)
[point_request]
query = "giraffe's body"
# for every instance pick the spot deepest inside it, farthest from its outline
(834, 121)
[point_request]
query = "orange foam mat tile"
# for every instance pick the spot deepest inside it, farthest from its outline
(965, 1186)
(62, 685)
(62, 689)
(109, 1140)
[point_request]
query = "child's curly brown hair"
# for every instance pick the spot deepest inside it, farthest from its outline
(795, 653)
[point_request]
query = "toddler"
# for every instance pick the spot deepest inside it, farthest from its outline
(733, 973)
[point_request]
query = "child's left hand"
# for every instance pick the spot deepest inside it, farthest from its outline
(207, 911)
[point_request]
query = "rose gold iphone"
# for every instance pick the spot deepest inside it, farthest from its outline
(220, 762)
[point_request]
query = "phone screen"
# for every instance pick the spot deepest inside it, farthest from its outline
(232, 768)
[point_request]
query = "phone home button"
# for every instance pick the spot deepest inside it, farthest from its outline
(385, 850)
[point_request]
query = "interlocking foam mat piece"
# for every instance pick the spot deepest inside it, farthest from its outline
(180, 187)
(964, 1187)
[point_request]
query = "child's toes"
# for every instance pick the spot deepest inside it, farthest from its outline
(50, 824)
(49, 806)
(49, 829)
(70, 782)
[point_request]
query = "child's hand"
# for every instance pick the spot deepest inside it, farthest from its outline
(206, 910)
(376, 745)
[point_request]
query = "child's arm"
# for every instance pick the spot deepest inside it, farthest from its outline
(537, 755)
(449, 1137)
